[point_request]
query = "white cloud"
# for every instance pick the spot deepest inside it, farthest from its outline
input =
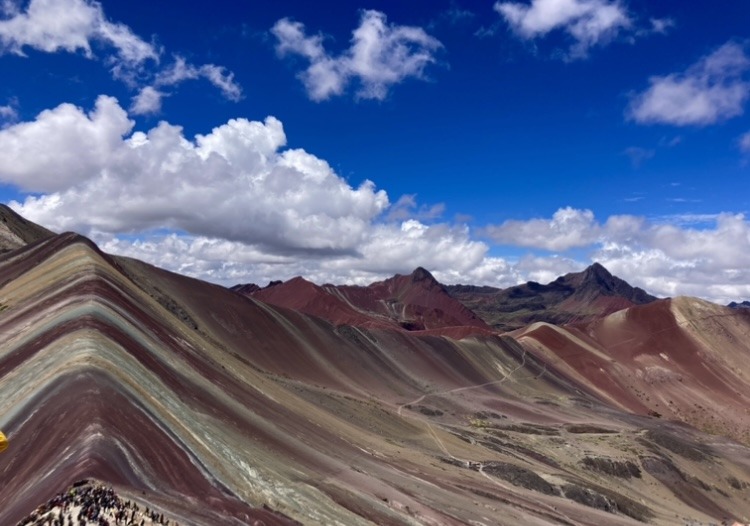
(672, 257)
(665, 260)
(62, 147)
(588, 22)
(181, 71)
(568, 228)
(72, 26)
(81, 26)
(713, 89)
(379, 57)
(147, 101)
(237, 182)
(248, 209)
(448, 251)
(546, 269)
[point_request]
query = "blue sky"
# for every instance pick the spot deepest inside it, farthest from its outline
(491, 142)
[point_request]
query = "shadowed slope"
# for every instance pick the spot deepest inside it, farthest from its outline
(579, 296)
(15, 231)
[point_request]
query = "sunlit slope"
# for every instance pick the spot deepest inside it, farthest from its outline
(218, 409)
(684, 359)
(101, 378)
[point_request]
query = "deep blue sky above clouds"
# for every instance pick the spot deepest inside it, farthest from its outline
(489, 141)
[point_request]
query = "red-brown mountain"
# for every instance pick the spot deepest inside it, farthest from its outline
(414, 302)
(212, 408)
(575, 297)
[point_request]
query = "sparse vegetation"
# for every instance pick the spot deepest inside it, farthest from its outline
(615, 468)
(737, 484)
(691, 450)
(428, 411)
(607, 500)
(519, 476)
(479, 423)
(588, 428)
(531, 429)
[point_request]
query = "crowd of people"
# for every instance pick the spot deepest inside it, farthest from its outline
(91, 504)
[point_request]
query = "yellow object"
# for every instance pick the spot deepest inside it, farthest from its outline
(3, 442)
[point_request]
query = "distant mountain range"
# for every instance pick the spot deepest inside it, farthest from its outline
(414, 302)
(418, 302)
(575, 297)
(390, 404)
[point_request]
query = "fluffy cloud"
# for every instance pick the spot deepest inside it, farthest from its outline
(237, 206)
(713, 89)
(448, 251)
(667, 258)
(80, 25)
(147, 101)
(72, 26)
(568, 228)
(235, 183)
(588, 22)
(380, 56)
(63, 147)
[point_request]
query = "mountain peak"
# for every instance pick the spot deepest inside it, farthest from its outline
(598, 269)
(422, 274)
(598, 275)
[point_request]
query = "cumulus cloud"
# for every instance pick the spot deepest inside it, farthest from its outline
(713, 89)
(236, 182)
(75, 26)
(63, 147)
(706, 256)
(587, 22)
(380, 56)
(568, 228)
(448, 251)
(666, 260)
(235, 205)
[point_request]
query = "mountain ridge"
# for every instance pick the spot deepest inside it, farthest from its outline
(218, 408)
(412, 302)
